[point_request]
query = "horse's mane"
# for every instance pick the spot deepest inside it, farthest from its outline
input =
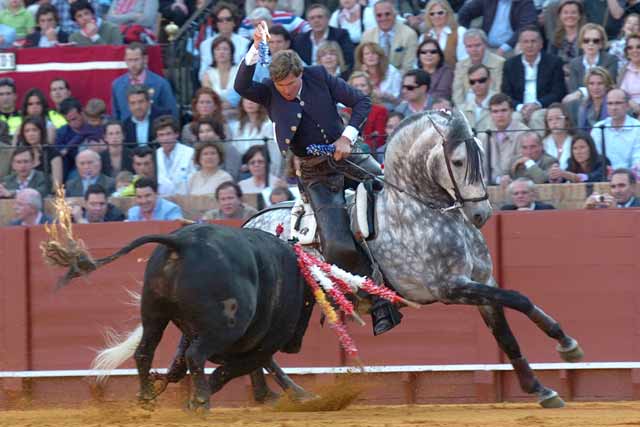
(460, 132)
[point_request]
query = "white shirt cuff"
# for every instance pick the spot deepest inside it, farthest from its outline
(251, 58)
(529, 163)
(351, 133)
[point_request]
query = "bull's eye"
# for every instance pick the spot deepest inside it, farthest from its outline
(457, 163)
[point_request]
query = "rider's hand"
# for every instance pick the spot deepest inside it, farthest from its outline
(260, 33)
(343, 148)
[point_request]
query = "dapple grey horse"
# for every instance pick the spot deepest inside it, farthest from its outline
(428, 244)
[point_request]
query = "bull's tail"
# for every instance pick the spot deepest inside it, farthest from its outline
(118, 351)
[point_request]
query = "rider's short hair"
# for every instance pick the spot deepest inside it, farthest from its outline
(284, 63)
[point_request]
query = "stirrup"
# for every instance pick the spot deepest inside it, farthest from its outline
(384, 317)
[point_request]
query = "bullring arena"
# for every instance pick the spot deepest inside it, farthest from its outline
(441, 367)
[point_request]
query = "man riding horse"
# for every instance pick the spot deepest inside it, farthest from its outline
(301, 101)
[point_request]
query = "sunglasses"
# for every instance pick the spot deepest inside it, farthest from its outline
(589, 41)
(431, 51)
(480, 80)
(225, 19)
(438, 13)
(383, 14)
(410, 87)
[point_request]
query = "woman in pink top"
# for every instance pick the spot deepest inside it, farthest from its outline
(629, 77)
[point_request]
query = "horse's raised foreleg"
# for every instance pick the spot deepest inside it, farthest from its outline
(494, 318)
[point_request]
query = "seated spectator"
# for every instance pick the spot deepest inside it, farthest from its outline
(476, 109)
(256, 160)
(307, 44)
(415, 93)
(17, 17)
(6, 150)
(623, 192)
(24, 175)
(28, 209)
(138, 12)
(593, 108)
(230, 206)
(475, 43)
(89, 168)
(373, 131)
(48, 32)
(294, 6)
(570, 18)
(329, 55)
(431, 59)
(144, 167)
(393, 120)
(205, 103)
(150, 207)
(534, 163)
(208, 130)
(593, 42)
(176, 11)
(93, 30)
(621, 133)
(173, 159)
(138, 126)
(135, 56)
(618, 46)
(292, 23)
(208, 157)
(618, 10)
(117, 157)
(584, 164)
(280, 194)
(523, 196)
(123, 180)
(442, 104)
(396, 40)
(46, 157)
(353, 16)
(59, 90)
(557, 139)
(8, 110)
(67, 23)
(96, 207)
(386, 78)
(502, 145)
(222, 72)
(34, 104)
(95, 112)
(629, 76)
(441, 25)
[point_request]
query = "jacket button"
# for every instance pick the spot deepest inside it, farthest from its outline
(302, 103)
(293, 128)
(287, 141)
(299, 115)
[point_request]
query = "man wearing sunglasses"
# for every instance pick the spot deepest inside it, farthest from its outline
(415, 93)
(476, 109)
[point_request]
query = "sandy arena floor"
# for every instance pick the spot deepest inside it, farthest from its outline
(493, 415)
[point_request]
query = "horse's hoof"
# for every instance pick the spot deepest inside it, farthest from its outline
(571, 352)
(550, 399)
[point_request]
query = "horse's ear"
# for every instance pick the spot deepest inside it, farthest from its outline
(459, 127)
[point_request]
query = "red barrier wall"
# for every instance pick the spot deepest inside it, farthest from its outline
(579, 266)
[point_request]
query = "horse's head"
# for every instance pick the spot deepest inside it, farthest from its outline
(456, 166)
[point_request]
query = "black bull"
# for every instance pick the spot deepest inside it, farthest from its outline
(236, 295)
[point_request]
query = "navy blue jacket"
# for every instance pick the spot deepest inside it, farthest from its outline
(319, 95)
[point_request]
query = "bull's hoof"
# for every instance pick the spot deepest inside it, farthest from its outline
(147, 405)
(269, 397)
(550, 399)
(570, 351)
(198, 406)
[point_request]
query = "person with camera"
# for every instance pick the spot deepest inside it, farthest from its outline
(623, 192)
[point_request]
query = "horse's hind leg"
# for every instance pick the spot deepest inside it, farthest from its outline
(151, 336)
(494, 318)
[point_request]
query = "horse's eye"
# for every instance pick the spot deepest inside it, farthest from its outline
(457, 163)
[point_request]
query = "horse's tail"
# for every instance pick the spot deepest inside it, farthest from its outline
(119, 347)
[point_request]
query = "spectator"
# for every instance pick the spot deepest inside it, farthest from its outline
(502, 20)
(557, 140)
(534, 162)
(89, 168)
(46, 158)
(292, 23)
(355, 17)
(621, 133)
(386, 78)
(441, 26)
(118, 156)
(208, 157)
(533, 79)
(95, 112)
(293, 6)
(34, 104)
(593, 42)
(230, 206)
(6, 150)
(24, 175)
(477, 109)
(123, 180)
(173, 159)
(431, 59)
(177, 11)
(280, 40)
(222, 72)
(138, 126)
(393, 120)
(629, 77)
(225, 23)
(329, 55)
(138, 12)
(523, 196)
(256, 159)
(96, 207)
(280, 194)
(307, 44)
(8, 110)
(17, 17)
(373, 131)
(569, 20)
(442, 104)
(502, 145)
(205, 103)
(209, 130)
(59, 90)
(253, 127)
(135, 56)
(67, 22)
(415, 93)
(618, 46)
(48, 32)
(150, 207)
(620, 9)
(28, 209)
(397, 41)
(623, 190)
(584, 164)
(593, 108)
(475, 43)
(144, 167)
(93, 31)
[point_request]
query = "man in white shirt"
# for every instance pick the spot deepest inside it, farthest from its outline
(174, 160)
